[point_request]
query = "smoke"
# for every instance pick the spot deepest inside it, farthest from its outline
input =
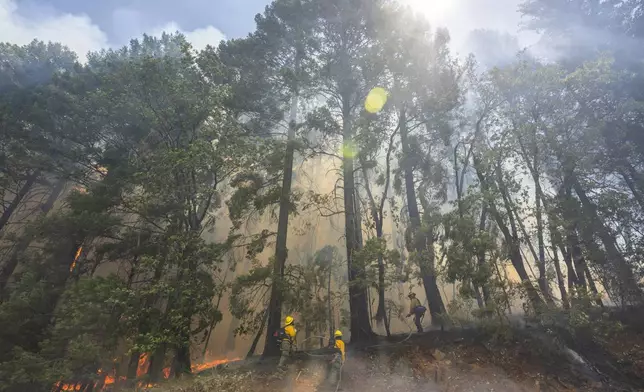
(77, 32)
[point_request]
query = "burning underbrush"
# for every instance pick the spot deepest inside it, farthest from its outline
(108, 381)
(467, 360)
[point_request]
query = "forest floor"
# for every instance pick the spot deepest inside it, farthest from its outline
(517, 358)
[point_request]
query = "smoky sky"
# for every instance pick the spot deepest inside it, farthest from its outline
(85, 25)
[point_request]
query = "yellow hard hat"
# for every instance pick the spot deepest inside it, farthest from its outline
(338, 334)
(288, 320)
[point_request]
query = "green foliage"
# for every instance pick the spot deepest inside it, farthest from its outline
(367, 257)
(163, 145)
(304, 291)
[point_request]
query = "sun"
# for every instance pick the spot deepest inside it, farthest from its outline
(436, 11)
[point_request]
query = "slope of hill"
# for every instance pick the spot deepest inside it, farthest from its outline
(532, 357)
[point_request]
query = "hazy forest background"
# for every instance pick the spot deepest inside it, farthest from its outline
(163, 208)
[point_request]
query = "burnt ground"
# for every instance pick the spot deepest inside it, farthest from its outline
(520, 358)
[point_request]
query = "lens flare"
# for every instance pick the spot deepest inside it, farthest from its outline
(349, 150)
(376, 99)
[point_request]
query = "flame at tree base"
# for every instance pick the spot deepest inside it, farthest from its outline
(141, 371)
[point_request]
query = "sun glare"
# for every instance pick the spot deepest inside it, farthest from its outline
(435, 11)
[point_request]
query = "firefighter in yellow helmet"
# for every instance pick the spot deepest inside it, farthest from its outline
(339, 344)
(287, 340)
(338, 358)
(417, 310)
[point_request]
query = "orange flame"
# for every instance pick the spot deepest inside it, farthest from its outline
(70, 387)
(141, 370)
(78, 253)
(109, 380)
(144, 364)
(211, 364)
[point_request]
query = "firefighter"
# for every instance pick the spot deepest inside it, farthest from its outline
(417, 310)
(287, 339)
(338, 358)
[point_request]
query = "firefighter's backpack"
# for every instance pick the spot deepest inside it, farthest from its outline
(280, 335)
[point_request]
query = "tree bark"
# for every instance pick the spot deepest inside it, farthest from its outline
(631, 291)
(253, 346)
(132, 368)
(378, 217)
(560, 280)
(157, 361)
(543, 281)
(281, 251)
(593, 287)
(214, 323)
(558, 244)
(22, 192)
(570, 216)
(144, 328)
(633, 187)
(545, 291)
(481, 255)
(512, 240)
(360, 324)
(329, 304)
(423, 254)
(182, 363)
(533, 167)
(598, 256)
(23, 243)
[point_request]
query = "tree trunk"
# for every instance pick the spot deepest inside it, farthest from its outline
(25, 240)
(573, 280)
(545, 290)
(377, 214)
(598, 256)
(360, 324)
(543, 281)
(144, 327)
(633, 187)
(331, 326)
(214, 322)
(51, 277)
(24, 189)
(358, 219)
(480, 256)
(571, 217)
(631, 291)
(230, 341)
(533, 166)
(182, 363)
(132, 368)
(560, 280)
(157, 362)
(381, 314)
(511, 239)
(478, 296)
(593, 287)
(179, 363)
(253, 346)
(281, 251)
(503, 279)
(424, 256)
(558, 244)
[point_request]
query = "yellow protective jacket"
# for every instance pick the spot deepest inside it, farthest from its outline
(339, 344)
(291, 332)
